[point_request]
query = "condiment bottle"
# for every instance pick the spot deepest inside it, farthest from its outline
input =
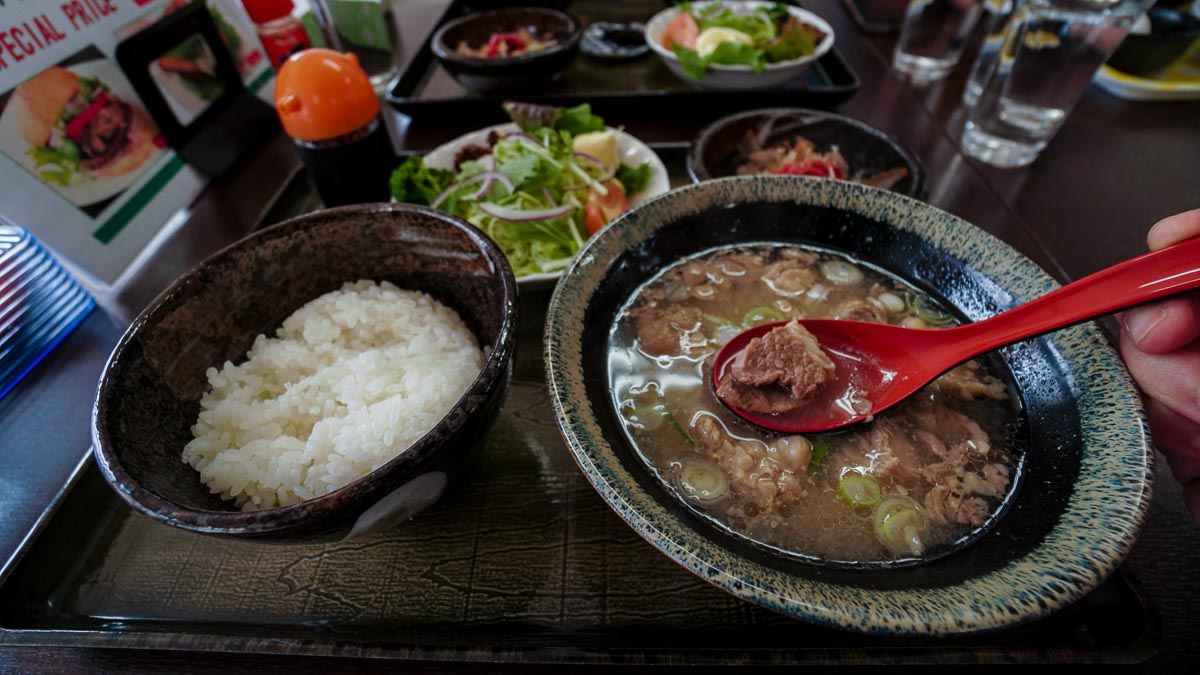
(281, 33)
(329, 108)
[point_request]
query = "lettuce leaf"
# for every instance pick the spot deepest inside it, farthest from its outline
(758, 26)
(532, 116)
(794, 41)
(726, 54)
(736, 54)
(579, 120)
(693, 64)
(634, 179)
(414, 183)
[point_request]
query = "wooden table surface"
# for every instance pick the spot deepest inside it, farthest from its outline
(1114, 170)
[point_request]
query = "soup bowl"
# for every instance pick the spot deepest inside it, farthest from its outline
(1082, 476)
(150, 391)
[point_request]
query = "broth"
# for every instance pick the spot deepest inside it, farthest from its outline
(913, 481)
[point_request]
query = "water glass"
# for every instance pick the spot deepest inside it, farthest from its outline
(932, 38)
(1048, 57)
(368, 29)
(1002, 12)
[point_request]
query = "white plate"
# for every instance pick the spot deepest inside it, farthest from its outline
(631, 151)
(737, 77)
(83, 189)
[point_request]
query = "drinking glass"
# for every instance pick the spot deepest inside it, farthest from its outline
(1051, 51)
(1002, 12)
(932, 38)
(366, 28)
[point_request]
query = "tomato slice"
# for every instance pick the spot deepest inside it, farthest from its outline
(601, 209)
(593, 219)
(813, 167)
(682, 30)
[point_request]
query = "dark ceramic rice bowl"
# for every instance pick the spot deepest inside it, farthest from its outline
(149, 394)
(1084, 487)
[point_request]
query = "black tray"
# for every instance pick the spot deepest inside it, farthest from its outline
(520, 562)
(426, 90)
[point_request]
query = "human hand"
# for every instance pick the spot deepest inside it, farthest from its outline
(1160, 344)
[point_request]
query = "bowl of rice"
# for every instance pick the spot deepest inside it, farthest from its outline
(322, 379)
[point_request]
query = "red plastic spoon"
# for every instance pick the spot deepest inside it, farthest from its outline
(888, 363)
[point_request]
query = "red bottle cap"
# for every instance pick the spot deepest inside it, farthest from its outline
(263, 11)
(321, 94)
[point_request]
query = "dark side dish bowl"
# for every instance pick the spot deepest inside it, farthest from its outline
(1173, 31)
(522, 72)
(1083, 466)
(724, 145)
(150, 391)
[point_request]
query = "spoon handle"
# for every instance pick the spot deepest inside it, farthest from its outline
(1142, 279)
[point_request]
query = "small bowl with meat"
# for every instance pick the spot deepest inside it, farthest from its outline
(1005, 490)
(795, 141)
(508, 50)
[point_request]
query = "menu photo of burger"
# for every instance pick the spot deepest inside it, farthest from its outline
(80, 130)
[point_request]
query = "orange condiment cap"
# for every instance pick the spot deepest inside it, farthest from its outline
(321, 94)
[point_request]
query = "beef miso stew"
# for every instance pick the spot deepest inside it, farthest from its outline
(906, 486)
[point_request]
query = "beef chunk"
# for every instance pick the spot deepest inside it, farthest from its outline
(777, 371)
(968, 383)
(768, 475)
(664, 331)
(860, 310)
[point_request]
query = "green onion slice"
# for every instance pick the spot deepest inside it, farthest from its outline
(858, 490)
(761, 315)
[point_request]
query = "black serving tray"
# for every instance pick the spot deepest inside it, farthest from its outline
(520, 562)
(425, 90)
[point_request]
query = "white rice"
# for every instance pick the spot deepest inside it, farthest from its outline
(349, 381)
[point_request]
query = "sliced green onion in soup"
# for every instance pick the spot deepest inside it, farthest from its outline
(678, 427)
(858, 490)
(900, 526)
(820, 448)
(841, 273)
(702, 480)
(761, 315)
(922, 308)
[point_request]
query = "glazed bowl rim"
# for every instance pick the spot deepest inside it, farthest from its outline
(1084, 546)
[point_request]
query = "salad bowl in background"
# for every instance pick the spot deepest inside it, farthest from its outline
(1083, 480)
(738, 77)
(631, 151)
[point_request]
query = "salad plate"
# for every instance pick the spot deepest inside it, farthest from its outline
(748, 46)
(631, 152)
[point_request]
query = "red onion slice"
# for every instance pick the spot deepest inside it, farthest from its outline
(442, 197)
(549, 197)
(525, 216)
(490, 177)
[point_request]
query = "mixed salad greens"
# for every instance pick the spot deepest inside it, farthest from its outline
(731, 35)
(538, 192)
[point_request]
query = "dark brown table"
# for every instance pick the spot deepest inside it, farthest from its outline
(1115, 169)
